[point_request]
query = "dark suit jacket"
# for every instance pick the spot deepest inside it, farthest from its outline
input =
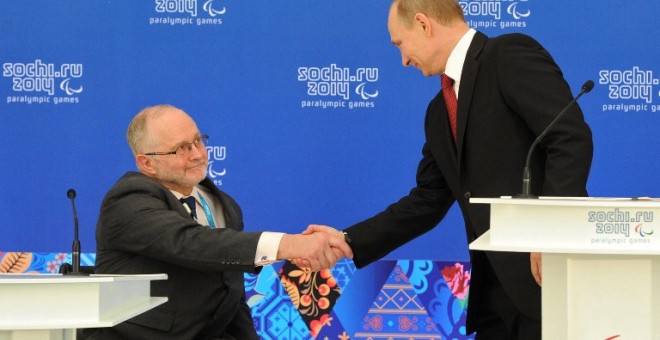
(144, 229)
(510, 90)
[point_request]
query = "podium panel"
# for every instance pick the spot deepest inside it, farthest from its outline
(53, 306)
(38, 334)
(587, 296)
(601, 262)
(583, 225)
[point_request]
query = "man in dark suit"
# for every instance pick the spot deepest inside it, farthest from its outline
(509, 89)
(145, 228)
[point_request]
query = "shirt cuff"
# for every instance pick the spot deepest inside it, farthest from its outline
(269, 243)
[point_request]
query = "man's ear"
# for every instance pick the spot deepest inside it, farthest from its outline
(146, 165)
(423, 22)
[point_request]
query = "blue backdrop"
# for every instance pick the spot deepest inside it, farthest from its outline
(312, 117)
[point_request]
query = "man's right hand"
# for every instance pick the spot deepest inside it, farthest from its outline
(318, 248)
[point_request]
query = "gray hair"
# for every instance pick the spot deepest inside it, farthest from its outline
(137, 135)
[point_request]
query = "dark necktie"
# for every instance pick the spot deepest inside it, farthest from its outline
(190, 202)
(451, 101)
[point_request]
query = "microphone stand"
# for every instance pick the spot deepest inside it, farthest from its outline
(75, 254)
(527, 172)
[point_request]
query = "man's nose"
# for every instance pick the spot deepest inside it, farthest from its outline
(405, 61)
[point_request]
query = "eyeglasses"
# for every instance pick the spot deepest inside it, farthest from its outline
(183, 149)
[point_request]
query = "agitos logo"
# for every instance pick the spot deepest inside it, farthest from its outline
(643, 232)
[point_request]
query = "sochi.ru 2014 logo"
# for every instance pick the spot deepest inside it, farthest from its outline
(216, 155)
(622, 227)
(184, 12)
(332, 86)
(491, 14)
(630, 90)
(40, 83)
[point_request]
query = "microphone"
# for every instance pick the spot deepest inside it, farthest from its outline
(75, 254)
(527, 176)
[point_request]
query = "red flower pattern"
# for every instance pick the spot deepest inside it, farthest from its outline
(457, 279)
(316, 325)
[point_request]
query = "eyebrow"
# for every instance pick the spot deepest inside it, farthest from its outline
(197, 136)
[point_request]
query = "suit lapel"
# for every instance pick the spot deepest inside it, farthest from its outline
(228, 209)
(466, 91)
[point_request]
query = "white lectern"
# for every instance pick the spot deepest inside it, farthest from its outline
(601, 261)
(53, 306)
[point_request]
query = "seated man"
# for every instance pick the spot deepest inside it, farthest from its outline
(170, 218)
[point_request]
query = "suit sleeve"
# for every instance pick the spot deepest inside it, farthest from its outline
(138, 217)
(533, 85)
(413, 215)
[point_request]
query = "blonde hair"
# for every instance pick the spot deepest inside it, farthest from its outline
(443, 11)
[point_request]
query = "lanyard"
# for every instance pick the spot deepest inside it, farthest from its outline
(207, 211)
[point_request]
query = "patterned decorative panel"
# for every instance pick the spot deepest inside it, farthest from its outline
(387, 300)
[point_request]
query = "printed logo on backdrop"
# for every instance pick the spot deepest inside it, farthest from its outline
(483, 14)
(38, 82)
(216, 171)
(630, 90)
(621, 227)
(332, 87)
(188, 12)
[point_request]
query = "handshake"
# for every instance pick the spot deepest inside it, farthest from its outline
(317, 248)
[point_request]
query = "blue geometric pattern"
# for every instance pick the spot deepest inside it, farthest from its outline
(275, 317)
(343, 271)
(446, 309)
(401, 309)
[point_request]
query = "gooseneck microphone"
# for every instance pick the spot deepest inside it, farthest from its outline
(75, 254)
(527, 173)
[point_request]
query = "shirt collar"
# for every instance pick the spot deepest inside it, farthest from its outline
(454, 67)
(193, 193)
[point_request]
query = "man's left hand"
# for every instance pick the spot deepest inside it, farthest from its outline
(535, 259)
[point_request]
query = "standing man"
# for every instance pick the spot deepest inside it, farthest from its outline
(508, 89)
(170, 218)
